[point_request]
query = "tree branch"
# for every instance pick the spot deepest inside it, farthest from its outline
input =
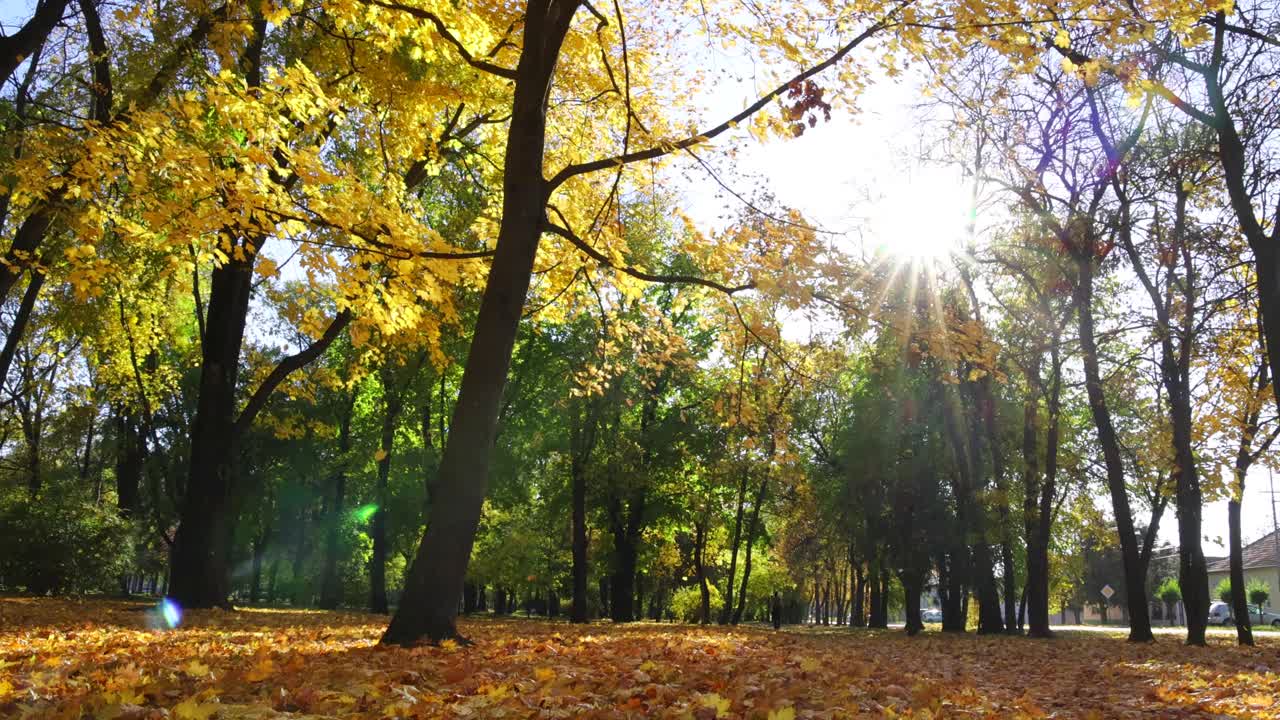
(670, 147)
(287, 367)
(640, 274)
(449, 37)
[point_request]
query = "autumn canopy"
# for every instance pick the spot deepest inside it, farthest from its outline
(441, 308)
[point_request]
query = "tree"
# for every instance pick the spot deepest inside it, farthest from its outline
(436, 576)
(1169, 593)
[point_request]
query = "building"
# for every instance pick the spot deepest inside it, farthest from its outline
(1261, 562)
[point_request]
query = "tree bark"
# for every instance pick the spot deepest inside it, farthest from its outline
(130, 455)
(700, 569)
(752, 527)
(18, 46)
(201, 575)
(912, 583)
(734, 544)
(1135, 580)
(434, 580)
(583, 433)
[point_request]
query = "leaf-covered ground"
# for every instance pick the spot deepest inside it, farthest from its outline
(66, 659)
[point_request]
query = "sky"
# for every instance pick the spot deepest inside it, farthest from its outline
(862, 176)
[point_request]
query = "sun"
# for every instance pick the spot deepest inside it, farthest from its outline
(926, 218)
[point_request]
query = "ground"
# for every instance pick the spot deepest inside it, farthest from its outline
(100, 659)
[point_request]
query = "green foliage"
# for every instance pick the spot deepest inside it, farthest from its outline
(686, 603)
(55, 543)
(1169, 592)
(1258, 592)
(1223, 590)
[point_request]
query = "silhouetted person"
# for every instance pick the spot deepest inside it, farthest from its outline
(775, 610)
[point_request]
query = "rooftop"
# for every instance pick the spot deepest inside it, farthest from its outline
(1261, 553)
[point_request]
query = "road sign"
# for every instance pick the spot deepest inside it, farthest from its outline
(1108, 591)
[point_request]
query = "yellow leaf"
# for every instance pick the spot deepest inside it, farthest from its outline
(786, 713)
(196, 669)
(261, 671)
(267, 267)
(380, 455)
(192, 709)
(717, 703)
(543, 674)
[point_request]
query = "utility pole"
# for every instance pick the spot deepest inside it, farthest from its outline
(1275, 520)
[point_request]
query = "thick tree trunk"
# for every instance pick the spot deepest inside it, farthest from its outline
(434, 580)
(1134, 577)
(1193, 576)
(200, 574)
(130, 456)
(1239, 602)
(879, 603)
(622, 583)
(912, 584)
(859, 617)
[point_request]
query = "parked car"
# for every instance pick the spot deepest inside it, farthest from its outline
(931, 616)
(1220, 614)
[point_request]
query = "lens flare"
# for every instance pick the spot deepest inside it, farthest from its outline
(171, 613)
(364, 512)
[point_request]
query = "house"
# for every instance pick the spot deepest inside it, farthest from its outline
(1261, 562)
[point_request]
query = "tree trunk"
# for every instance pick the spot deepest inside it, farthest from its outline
(200, 571)
(130, 456)
(579, 609)
(583, 440)
(879, 603)
(752, 527)
(331, 582)
(700, 569)
(859, 618)
(434, 580)
(912, 584)
(954, 613)
(392, 403)
(734, 544)
(1135, 580)
(1239, 602)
